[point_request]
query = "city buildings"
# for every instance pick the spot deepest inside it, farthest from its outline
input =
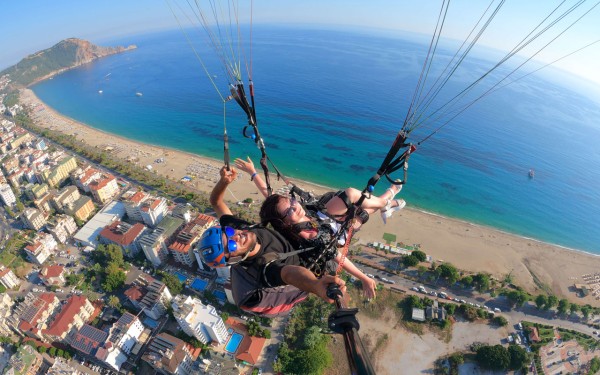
(104, 188)
(41, 247)
(8, 278)
(33, 218)
(198, 320)
(30, 316)
(149, 295)
(52, 275)
(169, 355)
(74, 313)
(62, 227)
(156, 242)
(124, 235)
(60, 171)
(7, 196)
(144, 207)
(182, 248)
(6, 304)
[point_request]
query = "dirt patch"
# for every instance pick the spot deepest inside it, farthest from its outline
(417, 353)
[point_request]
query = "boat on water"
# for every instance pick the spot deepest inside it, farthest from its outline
(531, 173)
(138, 94)
(99, 91)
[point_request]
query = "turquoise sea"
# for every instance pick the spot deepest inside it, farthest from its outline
(329, 104)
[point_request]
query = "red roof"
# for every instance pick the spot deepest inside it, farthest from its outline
(155, 204)
(114, 233)
(34, 247)
(48, 272)
(180, 247)
(534, 335)
(203, 219)
(4, 271)
(101, 183)
(250, 348)
(137, 197)
(66, 315)
(134, 293)
(88, 174)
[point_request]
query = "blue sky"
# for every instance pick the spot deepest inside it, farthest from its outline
(28, 26)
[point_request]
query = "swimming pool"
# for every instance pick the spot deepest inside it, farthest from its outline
(220, 295)
(180, 276)
(234, 342)
(199, 284)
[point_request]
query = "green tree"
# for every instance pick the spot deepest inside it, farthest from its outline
(115, 278)
(312, 337)
(493, 357)
(500, 320)
(421, 270)
(113, 301)
(450, 308)
(552, 302)
(481, 281)
(172, 282)
(517, 297)
(586, 310)
(540, 301)
(456, 359)
(574, 308)
(467, 281)
(52, 351)
(74, 279)
(42, 349)
(594, 365)
(266, 334)
(2, 288)
(410, 261)
(518, 357)
(421, 256)
(449, 272)
(563, 306)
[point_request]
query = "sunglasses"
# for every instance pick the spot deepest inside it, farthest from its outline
(231, 244)
(290, 210)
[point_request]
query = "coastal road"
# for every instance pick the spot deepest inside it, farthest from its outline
(526, 313)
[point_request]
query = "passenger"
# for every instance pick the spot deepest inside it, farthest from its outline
(264, 280)
(314, 227)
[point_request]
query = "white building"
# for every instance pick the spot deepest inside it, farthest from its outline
(6, 304)
(33, 218)
(123, 336)
(198, 320)
(7, 195)
(156, 242)
(62, 227)
(8, 278)
(155, 301)
(141, 206)
(41, 248)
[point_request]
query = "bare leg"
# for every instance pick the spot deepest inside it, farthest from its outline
(336, 205)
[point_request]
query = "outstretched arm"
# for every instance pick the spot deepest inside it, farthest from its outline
(217, 195)
(368, 284)
(248, 167)
(305, 280)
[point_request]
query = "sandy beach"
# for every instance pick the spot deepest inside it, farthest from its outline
(467, 246)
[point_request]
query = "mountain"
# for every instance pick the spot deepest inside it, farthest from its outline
(67, 54)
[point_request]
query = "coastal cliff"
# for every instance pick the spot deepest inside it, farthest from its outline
(67, 54)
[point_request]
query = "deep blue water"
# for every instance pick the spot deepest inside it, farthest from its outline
(329, 104)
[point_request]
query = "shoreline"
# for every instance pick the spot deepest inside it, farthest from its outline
(469, 246)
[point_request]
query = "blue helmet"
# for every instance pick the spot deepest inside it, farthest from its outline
(211, 248)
